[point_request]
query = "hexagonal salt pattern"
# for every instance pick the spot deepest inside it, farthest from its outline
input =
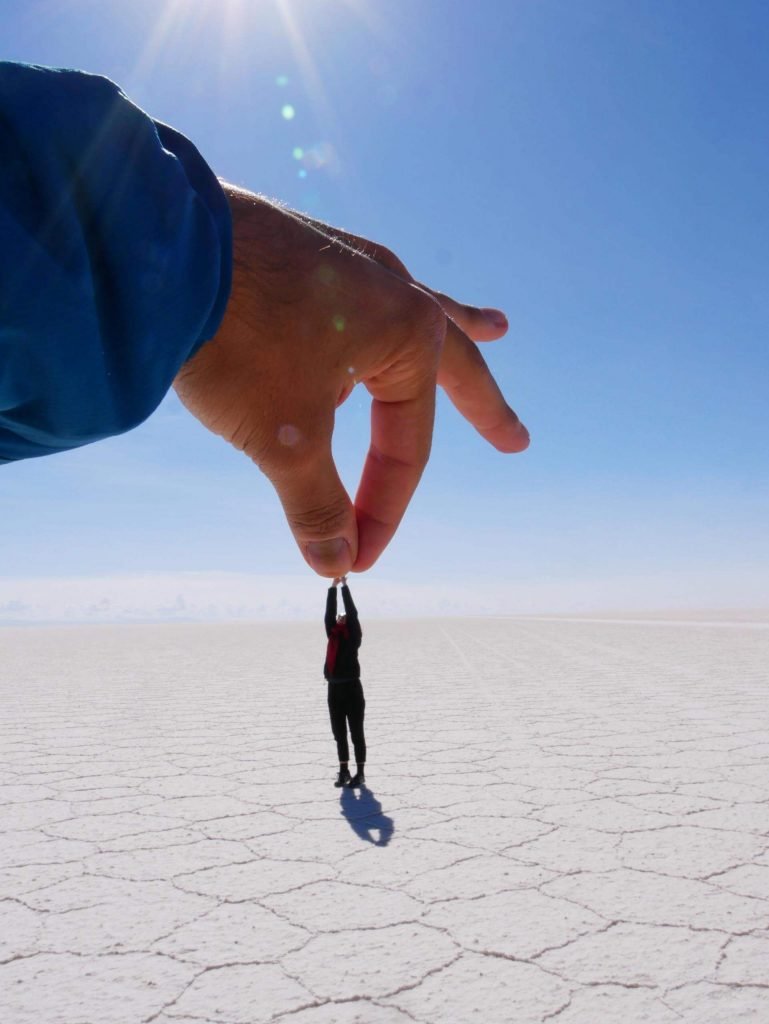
(568, 823)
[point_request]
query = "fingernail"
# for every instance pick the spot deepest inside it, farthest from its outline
(329, 556)
(496, 316)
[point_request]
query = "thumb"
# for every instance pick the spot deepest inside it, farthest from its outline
(318, 511)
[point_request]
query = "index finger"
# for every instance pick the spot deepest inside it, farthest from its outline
(401, 436)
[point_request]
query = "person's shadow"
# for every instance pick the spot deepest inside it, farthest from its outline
(364, 814)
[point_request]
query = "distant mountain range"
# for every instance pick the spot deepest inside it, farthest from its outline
(231, 597)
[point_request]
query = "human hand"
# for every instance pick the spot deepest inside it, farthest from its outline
(314, 311)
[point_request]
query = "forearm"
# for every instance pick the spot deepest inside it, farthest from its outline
(349, 604)
(330, 618)
(115, 260)
(352, 613)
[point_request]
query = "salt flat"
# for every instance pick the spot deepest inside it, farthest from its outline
(566, 820)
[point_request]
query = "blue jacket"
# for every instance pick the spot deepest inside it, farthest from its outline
(115, 259)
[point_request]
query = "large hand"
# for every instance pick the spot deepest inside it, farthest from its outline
(314, 311)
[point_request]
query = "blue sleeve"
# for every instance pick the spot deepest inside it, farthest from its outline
(115, 259)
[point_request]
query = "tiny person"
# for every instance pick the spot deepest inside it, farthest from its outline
(346, 703)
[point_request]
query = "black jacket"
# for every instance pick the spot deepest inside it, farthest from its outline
(346, 666)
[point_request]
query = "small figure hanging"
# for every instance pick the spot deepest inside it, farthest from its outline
(346, 703)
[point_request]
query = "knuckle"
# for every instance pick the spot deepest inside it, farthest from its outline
(423, 306)
(428, 323)
(412, 310)
(432, 317)
(243, 436)
(388, 258)
(327, 519)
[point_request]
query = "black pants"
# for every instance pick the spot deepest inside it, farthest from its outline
(346, 703)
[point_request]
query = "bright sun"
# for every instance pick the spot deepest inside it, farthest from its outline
(230, 29)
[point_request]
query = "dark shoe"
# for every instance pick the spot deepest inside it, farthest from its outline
(358, 779)
(343, 778)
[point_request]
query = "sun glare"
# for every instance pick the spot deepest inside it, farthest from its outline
(281, 39)
(232, 28)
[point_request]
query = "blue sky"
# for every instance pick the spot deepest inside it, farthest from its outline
(597, 169)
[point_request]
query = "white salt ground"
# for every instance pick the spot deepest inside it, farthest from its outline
(566, 821)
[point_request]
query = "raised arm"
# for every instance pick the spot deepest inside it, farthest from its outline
(353, 623)
(330, 609)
